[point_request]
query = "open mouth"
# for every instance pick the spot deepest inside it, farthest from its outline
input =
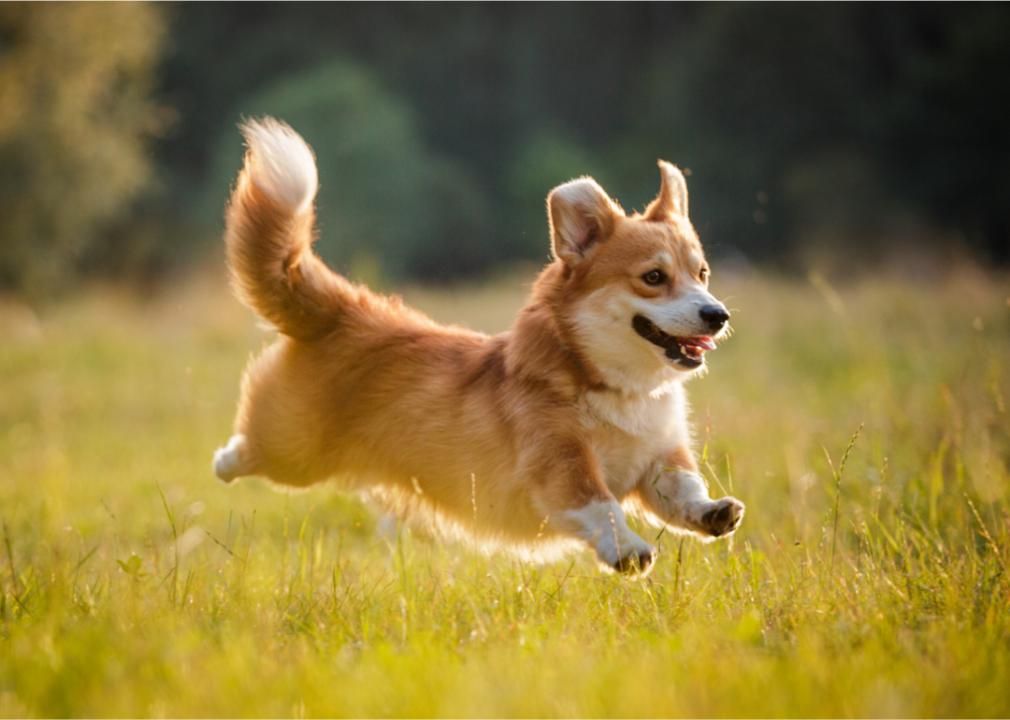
(689, 352)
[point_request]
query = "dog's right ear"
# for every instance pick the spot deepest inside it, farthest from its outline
(581, 214)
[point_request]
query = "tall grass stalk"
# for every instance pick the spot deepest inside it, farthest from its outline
(837, 475)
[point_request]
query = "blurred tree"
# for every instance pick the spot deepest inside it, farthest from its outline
(542, 162)
(75, 115)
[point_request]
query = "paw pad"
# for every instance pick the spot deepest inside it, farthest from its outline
(723, 518)
(636, 563)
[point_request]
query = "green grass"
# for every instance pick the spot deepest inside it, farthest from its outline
(133, 583)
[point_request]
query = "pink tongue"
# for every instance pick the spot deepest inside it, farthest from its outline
(701, 341)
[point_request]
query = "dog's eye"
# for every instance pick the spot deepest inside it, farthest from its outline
(703, 274)
(654, 277)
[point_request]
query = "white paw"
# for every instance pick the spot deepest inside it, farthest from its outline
(603, 526)
(717, 518)
(637, 562)
(228, 463)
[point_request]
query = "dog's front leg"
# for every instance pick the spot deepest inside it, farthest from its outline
(574, 501)
(676, 494)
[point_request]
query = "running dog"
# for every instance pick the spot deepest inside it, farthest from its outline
(535, 439)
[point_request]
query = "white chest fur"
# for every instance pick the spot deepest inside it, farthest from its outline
(630, 432)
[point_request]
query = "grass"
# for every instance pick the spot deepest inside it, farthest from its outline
(864, 424)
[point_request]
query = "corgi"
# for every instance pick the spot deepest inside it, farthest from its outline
(535, 440)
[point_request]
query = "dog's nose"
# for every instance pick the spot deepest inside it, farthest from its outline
(715, 315)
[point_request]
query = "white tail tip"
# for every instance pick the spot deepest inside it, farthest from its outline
(280, 163)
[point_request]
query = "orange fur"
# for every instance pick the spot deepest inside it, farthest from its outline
(521, 439)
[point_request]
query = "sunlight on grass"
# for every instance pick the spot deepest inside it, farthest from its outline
(133, 583)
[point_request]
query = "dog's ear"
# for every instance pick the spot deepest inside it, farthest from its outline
(581, 214)
(672, 198)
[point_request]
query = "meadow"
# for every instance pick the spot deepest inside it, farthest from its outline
(864, 421)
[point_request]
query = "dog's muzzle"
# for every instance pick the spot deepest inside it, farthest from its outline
(688, 352)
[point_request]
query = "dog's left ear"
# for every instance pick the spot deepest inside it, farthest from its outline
(581, 214)
(672, 198)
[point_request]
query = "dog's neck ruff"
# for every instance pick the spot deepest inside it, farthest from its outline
(594, 379)
(653, 417)
(586, 372)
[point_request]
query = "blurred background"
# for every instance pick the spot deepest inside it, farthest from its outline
(810, 133)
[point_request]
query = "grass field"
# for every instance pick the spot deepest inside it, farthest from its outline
(133, 583)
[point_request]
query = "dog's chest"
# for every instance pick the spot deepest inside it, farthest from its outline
(630, 433)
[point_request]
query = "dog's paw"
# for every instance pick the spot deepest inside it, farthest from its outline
(638, 562)
(603, 527)
(229, 461)
(721, 517)
(626, 553)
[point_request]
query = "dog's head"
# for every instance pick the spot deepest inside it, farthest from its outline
(634, 288)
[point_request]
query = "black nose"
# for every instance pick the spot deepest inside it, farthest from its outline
(715, 315)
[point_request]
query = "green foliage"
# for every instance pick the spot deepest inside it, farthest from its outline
(384, 198)
(544, 161)
(133, 583)
(75, 116)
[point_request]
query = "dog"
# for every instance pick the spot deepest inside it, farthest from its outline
(535, 439)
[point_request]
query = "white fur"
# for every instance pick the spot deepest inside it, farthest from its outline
(690, 490)
(228, 460)
(602, 525)
(684, 494)
(281, 164)
(692, 500)
(628, 432)
(641, 415)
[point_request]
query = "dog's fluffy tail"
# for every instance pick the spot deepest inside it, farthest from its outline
(270, 230)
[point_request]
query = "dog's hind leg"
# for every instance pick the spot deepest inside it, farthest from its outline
(232, 460)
